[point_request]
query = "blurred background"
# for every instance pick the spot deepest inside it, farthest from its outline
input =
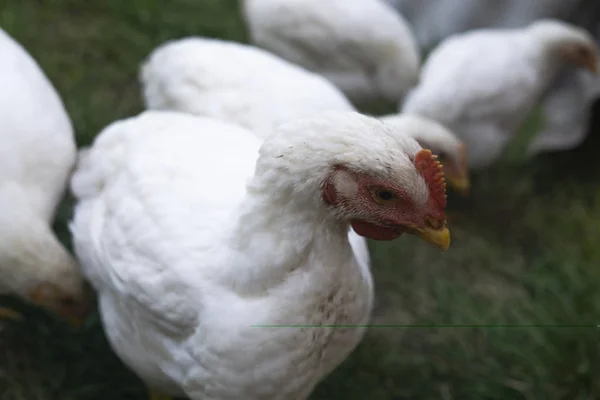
(509, 312)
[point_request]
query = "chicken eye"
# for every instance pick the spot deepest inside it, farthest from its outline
(383, 196)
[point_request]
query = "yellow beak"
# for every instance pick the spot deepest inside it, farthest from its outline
(459, 183)
(439, 237)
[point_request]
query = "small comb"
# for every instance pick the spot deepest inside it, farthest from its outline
(431, 169)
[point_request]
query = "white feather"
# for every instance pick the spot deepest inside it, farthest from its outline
(36, 158)
(234, 82)
(566, 111)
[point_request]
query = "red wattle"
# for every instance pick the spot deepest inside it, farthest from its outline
(373, 231)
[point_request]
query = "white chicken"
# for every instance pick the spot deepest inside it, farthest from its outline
(36, 158)
(362, 46)
(234, 82)
(482, 84)
(222, 263)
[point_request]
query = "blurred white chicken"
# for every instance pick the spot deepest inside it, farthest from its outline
(482, 84)
(36, 158)
(187, 75)
(568, 102)
(362, 46)
(204, 244)
(234, 82)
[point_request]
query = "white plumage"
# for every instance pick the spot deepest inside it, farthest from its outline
(192, 232)
(363, 46)
(482, 84)
(566, 113)
(36, 157)
(234, 82)
(429, 134)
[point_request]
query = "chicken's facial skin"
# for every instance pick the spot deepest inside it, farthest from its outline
(582, 55)
(382, 208)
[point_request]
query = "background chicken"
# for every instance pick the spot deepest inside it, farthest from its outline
(36, 159)
(486, 103)
(362, 46)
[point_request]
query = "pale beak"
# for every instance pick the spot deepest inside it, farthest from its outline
(439, 237)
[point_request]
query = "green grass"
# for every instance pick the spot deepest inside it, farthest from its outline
(524, 260)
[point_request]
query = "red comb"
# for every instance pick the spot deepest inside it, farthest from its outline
(431, 169)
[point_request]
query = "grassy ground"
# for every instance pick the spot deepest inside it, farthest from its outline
(524, 258)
